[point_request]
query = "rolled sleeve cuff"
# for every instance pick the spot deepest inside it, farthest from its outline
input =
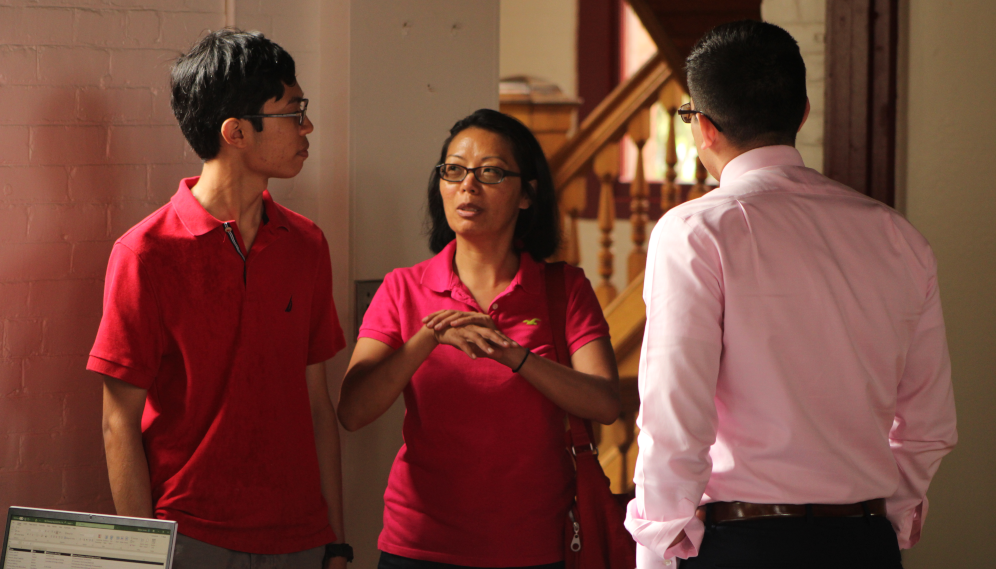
(656, 536)
(647, 559)
(908, 525)
(131, 375)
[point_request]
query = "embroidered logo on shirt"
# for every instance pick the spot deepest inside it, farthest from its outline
(290, 304)
(532, 322)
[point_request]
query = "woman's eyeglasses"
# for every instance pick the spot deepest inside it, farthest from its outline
(484, 174)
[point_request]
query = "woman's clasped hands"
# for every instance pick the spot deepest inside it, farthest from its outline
(475, 334)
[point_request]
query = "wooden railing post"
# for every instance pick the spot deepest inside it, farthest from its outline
(606, 165)
(670, 98)
(639, 131)
(700, 188)
(573, 201)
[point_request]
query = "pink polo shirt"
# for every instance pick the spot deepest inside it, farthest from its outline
(483, 478)
(794, 353)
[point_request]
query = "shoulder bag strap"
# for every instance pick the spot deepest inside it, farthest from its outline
(556, 299)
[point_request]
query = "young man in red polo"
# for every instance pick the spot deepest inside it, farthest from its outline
(218, 318)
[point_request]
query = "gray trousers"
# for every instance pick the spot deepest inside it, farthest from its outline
(193, 554)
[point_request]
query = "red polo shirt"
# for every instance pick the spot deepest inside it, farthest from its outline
(221, 345)
(483, 478)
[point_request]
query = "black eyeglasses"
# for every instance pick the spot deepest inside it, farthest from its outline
(686, 111)
(484, 174)
(299, 114)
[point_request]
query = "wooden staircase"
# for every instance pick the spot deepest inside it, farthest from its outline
(675, 26)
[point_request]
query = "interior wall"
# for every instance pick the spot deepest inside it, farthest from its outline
(388, 68)
(88, 147)
(806, 21)
(540, 39)
(949, 197)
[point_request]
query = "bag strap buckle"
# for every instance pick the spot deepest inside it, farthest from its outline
(590, 447)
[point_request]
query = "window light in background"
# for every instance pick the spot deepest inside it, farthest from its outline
(637, 48)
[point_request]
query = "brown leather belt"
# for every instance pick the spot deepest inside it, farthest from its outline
(736, 511)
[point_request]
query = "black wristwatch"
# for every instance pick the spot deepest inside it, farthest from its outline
(338, 550)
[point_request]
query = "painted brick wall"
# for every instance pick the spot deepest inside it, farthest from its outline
(806, 21)
(88, 147)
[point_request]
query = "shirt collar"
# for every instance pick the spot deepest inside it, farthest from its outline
(439, 275)
(198, 221)
(758, 158)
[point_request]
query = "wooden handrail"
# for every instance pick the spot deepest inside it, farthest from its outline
(609, 120)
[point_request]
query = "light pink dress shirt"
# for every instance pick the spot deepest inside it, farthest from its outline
(794, 353)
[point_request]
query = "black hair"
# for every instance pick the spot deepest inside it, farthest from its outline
(537, 229)
(749, 76)
(226, 74)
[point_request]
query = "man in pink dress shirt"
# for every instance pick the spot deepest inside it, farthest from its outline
(795, 380)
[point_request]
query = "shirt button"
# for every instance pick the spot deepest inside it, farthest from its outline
(494, 306)
(667, 562)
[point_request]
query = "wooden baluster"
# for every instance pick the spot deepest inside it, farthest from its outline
(670, 98)
(606, 166)
(700, 188)
(614, 449)
(628, 420)
(639, 131)
(573, 201)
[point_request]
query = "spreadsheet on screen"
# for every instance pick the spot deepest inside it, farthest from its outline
(49, 542)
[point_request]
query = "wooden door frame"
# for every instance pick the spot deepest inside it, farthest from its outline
(859, 141)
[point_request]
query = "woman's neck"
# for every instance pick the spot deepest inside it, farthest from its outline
(485, 267)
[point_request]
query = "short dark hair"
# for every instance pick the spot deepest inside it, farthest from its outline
(537, 229)
(228, 73)
(749, 76)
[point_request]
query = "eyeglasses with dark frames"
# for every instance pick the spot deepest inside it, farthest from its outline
(483, 174)
(686, 111)
(299, 114)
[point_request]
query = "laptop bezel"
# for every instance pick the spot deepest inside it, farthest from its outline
(89, 518)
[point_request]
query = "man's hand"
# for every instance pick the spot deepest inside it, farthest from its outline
(677, 540)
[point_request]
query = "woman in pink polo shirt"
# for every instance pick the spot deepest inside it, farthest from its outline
(483, 479)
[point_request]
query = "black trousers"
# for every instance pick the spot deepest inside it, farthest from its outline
(799, 543)
(389, 561)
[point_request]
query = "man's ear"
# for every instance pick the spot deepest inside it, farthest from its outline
(805, 115)
(231, 133)
(708, 131)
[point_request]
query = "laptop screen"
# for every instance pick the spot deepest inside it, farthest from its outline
(49, 538)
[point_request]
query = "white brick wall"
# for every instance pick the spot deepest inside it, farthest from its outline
(806, 21)
(88, 147)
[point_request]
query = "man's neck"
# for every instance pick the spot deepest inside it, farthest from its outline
(230, 194)
(723, 155)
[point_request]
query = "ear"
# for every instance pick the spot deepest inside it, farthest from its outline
(708, 132)
(524, 201)
(805, 115)
(232, 134)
